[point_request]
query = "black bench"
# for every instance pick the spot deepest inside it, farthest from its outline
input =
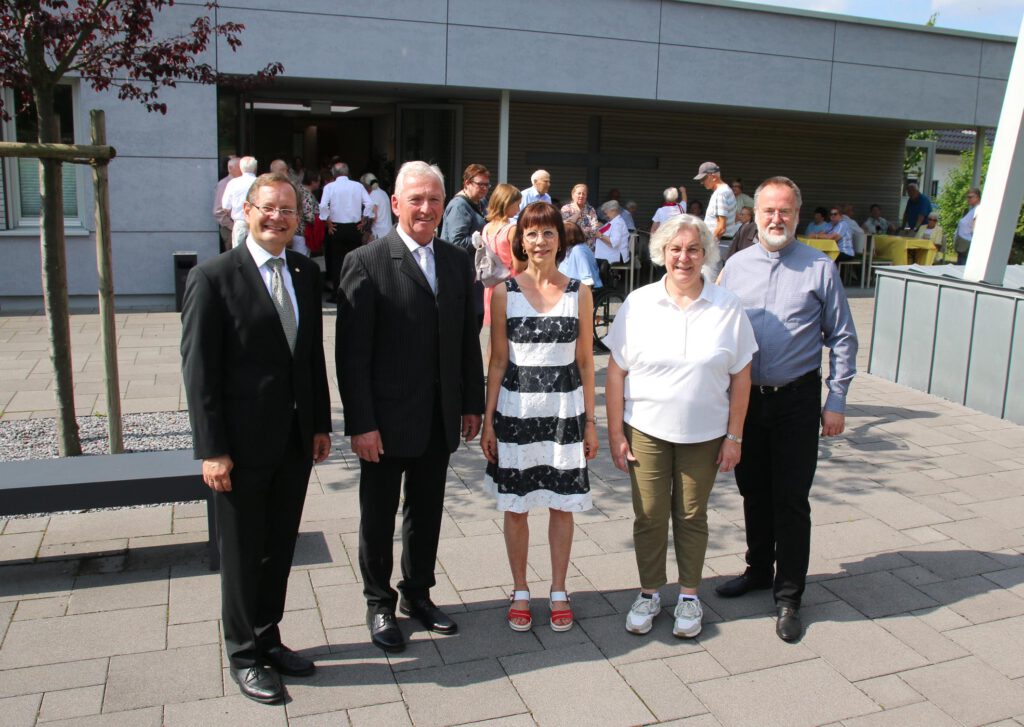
(110, 480)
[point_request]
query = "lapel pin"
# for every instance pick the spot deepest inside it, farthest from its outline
(296, 270)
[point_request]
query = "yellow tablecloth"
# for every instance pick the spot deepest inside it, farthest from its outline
(904, 250)
(829, 247)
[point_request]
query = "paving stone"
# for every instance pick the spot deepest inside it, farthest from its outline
(149, 717)
(703, 720)
(193, 634)
(856, 647)
(108, 524)
(333, 576)
(351, 679)
(608, 633)
(977, 599)
(79, 702)
(750, 644)
(304, 631)
(914, 715)
(194, 595)
(231, 710)
(995, 486)
(916, 575)
(889, 692)
(41, 608)
(842, 540)
(470, 692)
(610, 572)
(697, 667)
(36, 580)
(950, 560)
(6, 613)
(810, 693)
(105, 592)
(20, 711)
(661, 690)
(163, 677)
(516, 720)
(83, 549)
(331, 719)
(26, 525)
(894, 509)
(53, 677)
(1012, 579)
(342, 605)
(969, 690)
(600, 695)
(997, 643)
(19, 546)
(69, 638)
(482, 635)
(919, 633)
(982, 534)
(879, 594)
(393, 714)
(476, 562)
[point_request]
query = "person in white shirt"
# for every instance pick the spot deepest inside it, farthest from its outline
(234, 198)
(676, 419)
(381, 211)
(612, 244)
(343, 206)
(223, 216)
(670, 208)
(965, 227)
(876, 224)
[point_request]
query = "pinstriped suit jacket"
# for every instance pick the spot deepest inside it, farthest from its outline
(399, 347)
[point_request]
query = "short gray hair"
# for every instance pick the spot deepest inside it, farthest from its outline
(780, 182)
(611, 206)
(339, 170)
(538, 174)
(670, 229)
(248, 165)
(417, 169)
(671, 194)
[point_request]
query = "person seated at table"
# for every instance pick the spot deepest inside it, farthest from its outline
(876, 224)
(840, 231)
(820, 222)
(931, 231)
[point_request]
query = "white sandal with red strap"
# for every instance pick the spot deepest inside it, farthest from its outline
(519, 613)
(561, 614)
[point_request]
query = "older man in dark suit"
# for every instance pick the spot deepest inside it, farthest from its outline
(411, 381)
(256, 381)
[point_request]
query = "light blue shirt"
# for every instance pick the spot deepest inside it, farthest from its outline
(581, 264)
(796, 303)
(532, 195)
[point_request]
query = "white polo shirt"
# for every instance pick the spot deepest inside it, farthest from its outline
(679, 362)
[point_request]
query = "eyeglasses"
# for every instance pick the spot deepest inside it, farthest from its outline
(269, 211)
(770, 212)
(478, 183)
(833, 214)
(534, 235)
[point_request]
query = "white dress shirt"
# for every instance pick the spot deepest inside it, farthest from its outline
(235, 193)
(260, 257)
(344, 202)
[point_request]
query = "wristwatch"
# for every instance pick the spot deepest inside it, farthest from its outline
(734, 438)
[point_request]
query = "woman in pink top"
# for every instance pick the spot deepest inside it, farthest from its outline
(497, 233)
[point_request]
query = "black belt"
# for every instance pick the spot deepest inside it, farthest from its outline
(796, 383)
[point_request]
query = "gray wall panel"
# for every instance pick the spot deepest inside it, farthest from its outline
(918, 337)
(558, 64)
(805, 87)
(432, 11)
(996, 59)
(952, 343)
(152, 253)
(990, 101)
(897, 93)
(885, 339)
(351, 48)
(706, 26)
(1015, 382)
(182, 201)
(895, 48)
(990, 354)
(631, 20)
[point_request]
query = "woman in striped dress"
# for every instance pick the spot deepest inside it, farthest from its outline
(539, 428)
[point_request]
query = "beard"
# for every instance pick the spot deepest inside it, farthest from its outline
(775, 240)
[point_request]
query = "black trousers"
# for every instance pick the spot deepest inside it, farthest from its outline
(258, 524)
(380, 485)
(345, 239)
(780, 456)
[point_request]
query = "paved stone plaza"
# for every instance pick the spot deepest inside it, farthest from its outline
(915, 608)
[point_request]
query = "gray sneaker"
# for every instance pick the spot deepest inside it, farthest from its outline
(688, 617)
(641, 614)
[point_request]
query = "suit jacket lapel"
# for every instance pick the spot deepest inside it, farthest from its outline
(407, 263)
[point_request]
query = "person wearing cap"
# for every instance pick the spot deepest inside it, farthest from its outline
(796, 303)
(720, 215)
(381, 206)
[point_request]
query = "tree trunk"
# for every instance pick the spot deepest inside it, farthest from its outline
(55, 277)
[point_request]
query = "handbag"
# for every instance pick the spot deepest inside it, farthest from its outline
(490, 270)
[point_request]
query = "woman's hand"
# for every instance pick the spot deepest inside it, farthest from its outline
(590, 442)
(489, 443)
(728, 455)
(622, 455)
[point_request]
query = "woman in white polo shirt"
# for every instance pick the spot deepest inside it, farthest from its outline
(677, 388)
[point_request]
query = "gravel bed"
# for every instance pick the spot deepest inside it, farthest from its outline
(22, 439)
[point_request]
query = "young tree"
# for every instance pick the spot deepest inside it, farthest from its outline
(107, 44)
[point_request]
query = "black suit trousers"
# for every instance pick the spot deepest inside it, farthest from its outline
(258, 523)
(380, 486)
(345, 239)
(780, 457)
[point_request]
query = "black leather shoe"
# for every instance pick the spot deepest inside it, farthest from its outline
(287, 662)
(384, 632)
(432, 618)
(742, 584)
(259, 683)
(789, 627)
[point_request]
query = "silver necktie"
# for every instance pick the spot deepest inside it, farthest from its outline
(426, 256)
(282, 301)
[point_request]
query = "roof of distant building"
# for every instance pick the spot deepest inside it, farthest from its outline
(954, 141)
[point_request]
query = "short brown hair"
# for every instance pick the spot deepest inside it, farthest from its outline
(472, 170)
(573, 234)
(265, 180)
(538, 214)
(501, 197)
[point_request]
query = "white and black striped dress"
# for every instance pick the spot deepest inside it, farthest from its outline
(540, 417)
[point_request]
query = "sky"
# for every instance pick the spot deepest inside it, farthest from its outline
(1000, 17)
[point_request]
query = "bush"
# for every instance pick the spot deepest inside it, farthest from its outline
(952, 204)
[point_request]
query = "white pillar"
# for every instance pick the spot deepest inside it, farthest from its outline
(1004, 183)
(503, 139)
